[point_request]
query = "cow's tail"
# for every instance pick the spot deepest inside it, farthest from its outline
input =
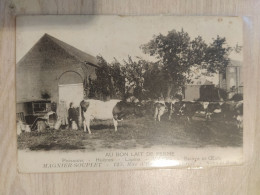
(81, 110)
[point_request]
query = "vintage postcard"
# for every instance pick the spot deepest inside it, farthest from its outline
(128, 92)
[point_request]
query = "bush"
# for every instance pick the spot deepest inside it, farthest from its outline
(237, 97)
(212, 93)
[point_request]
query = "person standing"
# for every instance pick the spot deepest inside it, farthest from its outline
(73, 115)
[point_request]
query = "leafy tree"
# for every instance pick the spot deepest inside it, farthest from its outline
(154, 81)
(217, 55)
(110, 82)
(103, 82)
(177, 54)
(117, 79)
(133, 72)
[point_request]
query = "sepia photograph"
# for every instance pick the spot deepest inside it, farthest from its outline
(128, 92)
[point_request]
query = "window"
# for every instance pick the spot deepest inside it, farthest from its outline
(39, 107)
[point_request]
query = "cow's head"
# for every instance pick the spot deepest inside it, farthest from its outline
(84, 105)
(205, 105)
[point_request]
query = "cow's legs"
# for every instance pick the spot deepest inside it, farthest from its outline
(84, 126)
(86, 123)
(239, 122)
(160, 113)
(189, 119)
(156, 113)
(207, 116)
(170, 114)
(115, 123)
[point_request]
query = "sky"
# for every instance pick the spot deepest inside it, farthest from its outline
(121, 36)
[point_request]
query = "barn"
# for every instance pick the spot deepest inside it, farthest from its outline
(232, 79)
(51, 71)
(198, 91)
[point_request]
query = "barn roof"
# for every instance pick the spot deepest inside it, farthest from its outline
(47, 43)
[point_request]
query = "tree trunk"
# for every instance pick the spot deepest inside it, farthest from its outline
(112, 88)
(168, 93)
(219, 96)
(169, 88)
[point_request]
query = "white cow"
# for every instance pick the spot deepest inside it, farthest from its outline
(113, 109)
(160, 108)
(96, 109)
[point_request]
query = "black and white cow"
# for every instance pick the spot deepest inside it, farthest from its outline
(233, 111)
(160, 109)
(172, 107)
(212, 109)
(167, 108)
(113, 109)
(228, 110)
(188, 109)
(238, 114)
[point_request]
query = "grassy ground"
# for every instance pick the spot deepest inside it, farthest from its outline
(132, 133)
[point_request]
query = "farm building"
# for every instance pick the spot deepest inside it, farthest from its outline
(52, 71)
(232, 79)
(193, 92)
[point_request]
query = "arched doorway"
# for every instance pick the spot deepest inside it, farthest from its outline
(71, 88)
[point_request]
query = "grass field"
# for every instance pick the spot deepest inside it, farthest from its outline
(136, 132)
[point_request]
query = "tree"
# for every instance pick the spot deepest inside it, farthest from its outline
(110, 82)
(103, 82)
(117, 79)
(217, 55)
(154, 81)
(177, 54)
(133, 72)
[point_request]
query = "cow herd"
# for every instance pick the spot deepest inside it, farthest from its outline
(229, 111)
(116, 110)
(174, 110)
